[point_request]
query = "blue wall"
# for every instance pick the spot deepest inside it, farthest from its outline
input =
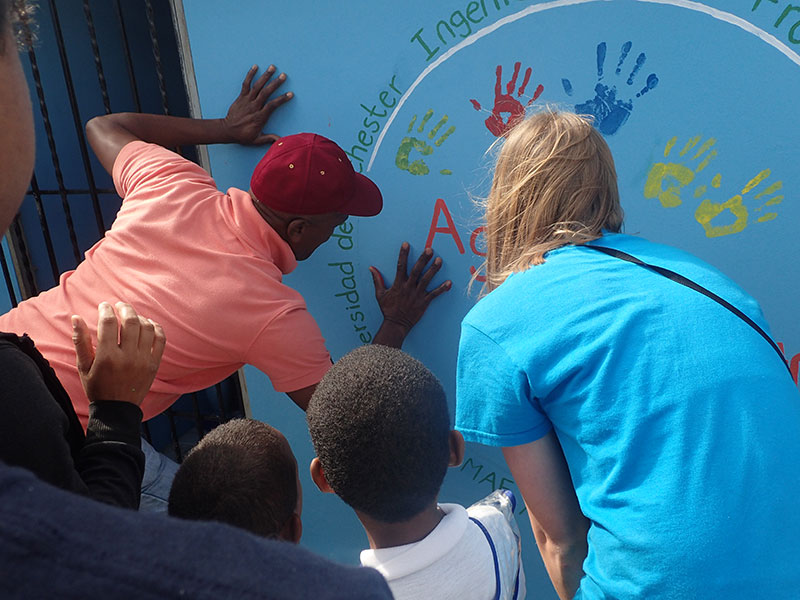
(705, 104)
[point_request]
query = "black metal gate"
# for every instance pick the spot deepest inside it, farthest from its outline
(90, 58)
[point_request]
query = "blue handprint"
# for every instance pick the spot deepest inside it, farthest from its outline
(610, 112)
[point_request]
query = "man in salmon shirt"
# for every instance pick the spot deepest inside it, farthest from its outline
(208, 265)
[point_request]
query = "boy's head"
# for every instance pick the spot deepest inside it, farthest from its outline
(242, 473)
(381, 430)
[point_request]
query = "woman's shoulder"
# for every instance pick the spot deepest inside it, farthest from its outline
(525, 292)
(670, 257)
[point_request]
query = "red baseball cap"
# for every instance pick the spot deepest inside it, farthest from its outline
(307, 174)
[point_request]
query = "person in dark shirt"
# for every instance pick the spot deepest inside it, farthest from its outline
(39, 429)
(57, 544)
(54, 544)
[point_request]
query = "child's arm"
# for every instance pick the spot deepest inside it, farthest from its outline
(402, 304)
(116, 377)
(407, 299)
(560, 528)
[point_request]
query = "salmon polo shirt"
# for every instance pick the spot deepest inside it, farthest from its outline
(202, 263)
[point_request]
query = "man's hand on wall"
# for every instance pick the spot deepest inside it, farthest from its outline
(250, 112)
(404, 303)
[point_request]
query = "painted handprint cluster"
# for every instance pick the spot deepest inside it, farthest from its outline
(609, 109)
(666, 181)
(711, 215)
(507, 109)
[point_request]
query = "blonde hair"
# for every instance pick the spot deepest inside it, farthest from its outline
(554, 184)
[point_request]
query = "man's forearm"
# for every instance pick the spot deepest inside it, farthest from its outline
(168, 131)
(243, 124)
(108, 134)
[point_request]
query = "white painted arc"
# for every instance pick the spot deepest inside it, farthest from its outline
(687, 4)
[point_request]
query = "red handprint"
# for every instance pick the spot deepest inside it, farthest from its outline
(506, 104)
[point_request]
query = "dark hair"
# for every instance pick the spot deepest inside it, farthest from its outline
(4, 8)
(242, 473)
(20, 14)
(380, 427)
(5, 13)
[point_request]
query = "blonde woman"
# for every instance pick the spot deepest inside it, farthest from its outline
(652, 430)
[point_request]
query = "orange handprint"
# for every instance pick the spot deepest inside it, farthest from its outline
(507, 104)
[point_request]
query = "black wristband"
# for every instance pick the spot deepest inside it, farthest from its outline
(115, 421)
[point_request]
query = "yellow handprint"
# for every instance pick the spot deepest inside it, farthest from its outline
(666, 179)
(708, 210)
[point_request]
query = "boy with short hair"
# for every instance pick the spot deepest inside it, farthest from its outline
(381, 430)
(242, 473)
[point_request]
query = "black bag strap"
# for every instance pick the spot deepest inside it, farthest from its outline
(678, 278)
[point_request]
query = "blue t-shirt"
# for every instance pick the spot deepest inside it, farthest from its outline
(679, 423)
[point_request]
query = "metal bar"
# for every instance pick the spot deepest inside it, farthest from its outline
(7, 276)
(198, 418)
(223, 412)
(48, 241)
(27, 282)
(242, 395)
(151, 23)
(237, 396)
(72, 191)
(128, 62)
(51, 143)
(174, 432)
(190, 415)
(189, 80)
(73, 101)
(98, 64)
(146, 433)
